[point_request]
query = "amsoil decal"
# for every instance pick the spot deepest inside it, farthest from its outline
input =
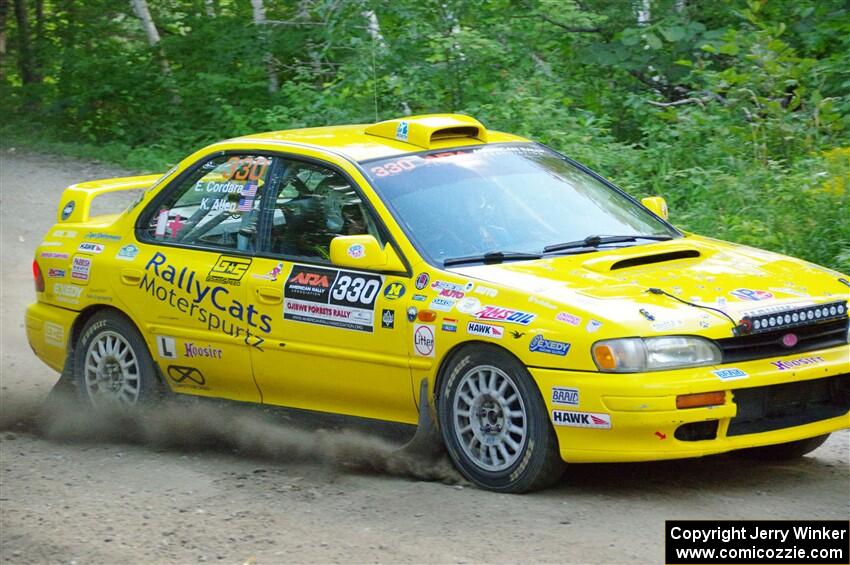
(581, 419)
(505, 315)
(329, 297)
(229, 270)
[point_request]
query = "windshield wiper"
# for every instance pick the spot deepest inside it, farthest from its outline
(593, 241)
(492, 257)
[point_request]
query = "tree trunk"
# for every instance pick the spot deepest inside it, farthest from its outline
(4, 11)
(25, 61)
(260, 21)
(140, 7)
(209, 8)
(644, 12)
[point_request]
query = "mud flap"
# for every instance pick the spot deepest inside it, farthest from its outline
(427, 443)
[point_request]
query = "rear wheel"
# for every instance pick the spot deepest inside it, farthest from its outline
(784, 451)
(494, 422)
(112, 365)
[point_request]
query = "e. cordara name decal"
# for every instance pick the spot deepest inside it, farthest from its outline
(158, 271)
(330, 297)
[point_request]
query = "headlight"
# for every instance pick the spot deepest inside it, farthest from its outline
(635, 354)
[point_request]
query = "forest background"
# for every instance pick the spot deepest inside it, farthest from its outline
(737, 112)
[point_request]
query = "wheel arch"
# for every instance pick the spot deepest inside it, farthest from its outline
(87, 314)
(452, 354)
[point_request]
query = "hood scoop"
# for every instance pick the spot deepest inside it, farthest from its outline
(627, 258)
(655, 258)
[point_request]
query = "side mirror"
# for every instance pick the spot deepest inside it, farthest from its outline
(364, 252)
(657, 205)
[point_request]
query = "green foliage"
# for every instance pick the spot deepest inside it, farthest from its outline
(738, 112)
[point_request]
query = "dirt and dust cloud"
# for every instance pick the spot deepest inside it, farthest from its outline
(191, 425)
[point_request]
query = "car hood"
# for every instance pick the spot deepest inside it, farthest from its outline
(613, 284)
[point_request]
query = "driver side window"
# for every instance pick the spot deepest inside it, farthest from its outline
(217, 206)
(314, 205)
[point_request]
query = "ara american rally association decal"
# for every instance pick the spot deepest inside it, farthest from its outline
(331, 297)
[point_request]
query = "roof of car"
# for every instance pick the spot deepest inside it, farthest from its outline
(410, 134)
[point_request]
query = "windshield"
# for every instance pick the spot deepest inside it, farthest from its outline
(506, 198)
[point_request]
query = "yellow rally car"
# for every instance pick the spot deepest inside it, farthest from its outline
(427, 270)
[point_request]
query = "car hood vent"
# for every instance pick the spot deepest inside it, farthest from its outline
(655, 258)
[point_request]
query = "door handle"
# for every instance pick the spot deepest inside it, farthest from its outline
(131, 276)
(268, 295)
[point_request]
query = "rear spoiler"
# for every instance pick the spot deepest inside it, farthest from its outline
(75, 204)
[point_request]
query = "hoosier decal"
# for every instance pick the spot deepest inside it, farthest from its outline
(330, 297)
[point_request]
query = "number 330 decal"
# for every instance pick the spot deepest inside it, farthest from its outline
(355, 289)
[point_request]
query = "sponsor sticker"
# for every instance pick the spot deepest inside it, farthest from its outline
(505, 315)
(539, 344)
(411, 313)
(80, 269)
(420, 297)
(166, 347)
(729, 374)
(443, 304)
(54, 273)
(67, 293)
(422, 280)
(568, 318)
(485, 330)
(468, 305)
(64, 233)
(750, 294)
(127, 252)
(423, 340)
(541, 302)
(388, 319)
(188, 377)
(356, 251)
(53, 255)
(449, 325)
(517, 334)
(89, 247)
(581, 419)
(101, 235)
(271, 275)
(394, 291)
(68, 210)
(666, 325)
(799, 362)
(567, 396)
(401, 130)
(54, 334)
(486, 291)
(229, 270)
(208, 351)
(330, 297)
(592, 326)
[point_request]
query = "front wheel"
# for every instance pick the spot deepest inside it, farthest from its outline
(494, 422)
(784, 451)
(112, 365)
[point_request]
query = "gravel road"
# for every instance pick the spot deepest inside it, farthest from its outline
(203, 484)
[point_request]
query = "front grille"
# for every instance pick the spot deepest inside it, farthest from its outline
(769, 344)
(767, 408)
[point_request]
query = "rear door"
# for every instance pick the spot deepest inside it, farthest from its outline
(187, 277)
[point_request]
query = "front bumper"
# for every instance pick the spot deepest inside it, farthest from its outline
(646, 425)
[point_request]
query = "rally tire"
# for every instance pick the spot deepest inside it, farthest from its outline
(494, 422)
(783, 451)
(112, 364)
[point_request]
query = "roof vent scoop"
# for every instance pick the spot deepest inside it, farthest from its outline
(428, 131)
